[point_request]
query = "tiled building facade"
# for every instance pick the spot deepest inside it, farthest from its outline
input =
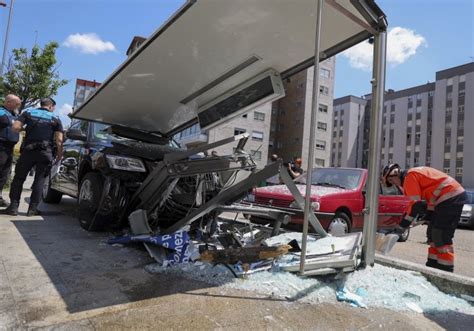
(423, 125)
(291, 116)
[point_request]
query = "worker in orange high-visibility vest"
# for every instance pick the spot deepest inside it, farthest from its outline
(444, 198)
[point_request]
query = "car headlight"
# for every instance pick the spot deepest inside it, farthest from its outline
(125, 163)
(466, 211)
(314, 205)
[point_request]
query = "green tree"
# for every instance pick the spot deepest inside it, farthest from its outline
(32, 76)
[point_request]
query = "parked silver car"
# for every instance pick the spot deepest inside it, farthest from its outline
(467, 215)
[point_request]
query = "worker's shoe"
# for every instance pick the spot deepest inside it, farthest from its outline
(33, 210)
(432, 263)
(12, 209)
(448, 268)
(3, 203)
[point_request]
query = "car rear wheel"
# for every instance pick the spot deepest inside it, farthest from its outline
(340, 224)
(50, 195)
(90, 193)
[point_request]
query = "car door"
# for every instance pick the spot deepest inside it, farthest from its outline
(392, 206)
(68, 171)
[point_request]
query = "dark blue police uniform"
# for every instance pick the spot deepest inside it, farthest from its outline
(37, 150)
(8, 139)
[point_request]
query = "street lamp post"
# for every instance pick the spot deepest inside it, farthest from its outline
(5, 45)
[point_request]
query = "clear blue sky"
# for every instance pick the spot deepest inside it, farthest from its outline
(433, 35)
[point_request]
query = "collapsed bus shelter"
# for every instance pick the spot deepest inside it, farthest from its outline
(213, 61)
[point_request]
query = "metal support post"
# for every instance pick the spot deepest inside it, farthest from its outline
(5, 45)
(312, 129)
(373, 185)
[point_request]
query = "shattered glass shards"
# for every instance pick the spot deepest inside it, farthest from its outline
(380, 286)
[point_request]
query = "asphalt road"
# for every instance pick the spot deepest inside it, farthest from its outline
(415, 249)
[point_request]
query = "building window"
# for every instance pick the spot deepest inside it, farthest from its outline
(418, 109)
(449, 82)
(461, 108)
(323, 108)
(325, 73)
(446, 170)
(320, 144)
(320, 162)
(258, 116)
(257, 135)
(459, 171)
(392, 108)
(322, 126)
(324, 90)
(449, 95)
(239, 131)
(257, 155)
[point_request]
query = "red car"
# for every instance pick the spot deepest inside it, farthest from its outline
(338, 198)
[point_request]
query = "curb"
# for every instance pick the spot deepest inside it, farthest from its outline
(447, 282)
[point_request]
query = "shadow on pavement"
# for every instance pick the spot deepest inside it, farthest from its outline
(451, 320)
(80, 266)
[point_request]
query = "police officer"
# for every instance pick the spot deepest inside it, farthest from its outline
(43, 130)
(8, 139)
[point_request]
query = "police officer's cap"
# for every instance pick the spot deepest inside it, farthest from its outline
(387, 170)
(47, 101)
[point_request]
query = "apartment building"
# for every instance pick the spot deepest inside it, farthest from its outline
(291, 116)
(255, 122)
(347, 141)
(422, 125)
(282, 127)
(135, 44)
(84, 88)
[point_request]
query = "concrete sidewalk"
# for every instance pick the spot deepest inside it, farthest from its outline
(54, 275)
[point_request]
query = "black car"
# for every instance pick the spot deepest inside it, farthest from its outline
(101, 158)
(467, 215)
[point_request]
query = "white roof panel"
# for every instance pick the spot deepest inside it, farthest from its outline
(209, 47)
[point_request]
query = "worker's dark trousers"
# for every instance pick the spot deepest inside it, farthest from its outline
(42, 160)
(6, 157)
(441, 230)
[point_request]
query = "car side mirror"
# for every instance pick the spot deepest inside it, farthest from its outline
(75, 134)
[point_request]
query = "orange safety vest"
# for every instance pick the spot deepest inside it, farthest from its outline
(431, 185)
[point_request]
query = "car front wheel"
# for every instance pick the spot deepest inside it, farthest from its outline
(90, 194)
(340, 224)
(50, 195)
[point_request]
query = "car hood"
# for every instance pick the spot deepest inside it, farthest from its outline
(283, 191)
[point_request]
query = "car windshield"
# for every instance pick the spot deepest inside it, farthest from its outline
(99, 132)
(333, 177)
